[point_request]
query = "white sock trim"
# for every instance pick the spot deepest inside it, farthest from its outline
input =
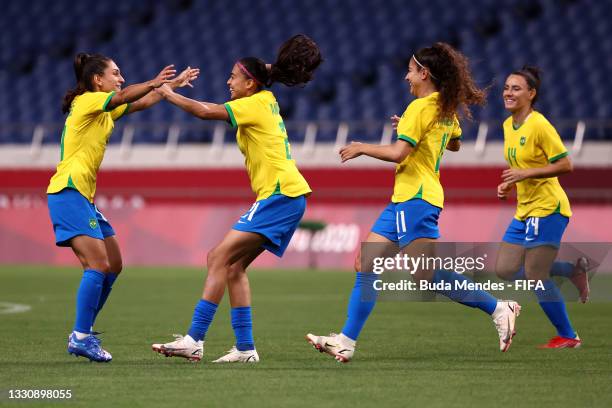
(346, 340)
(81, 336)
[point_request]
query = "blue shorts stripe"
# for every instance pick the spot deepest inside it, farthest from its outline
(409, 220)
(276, 218)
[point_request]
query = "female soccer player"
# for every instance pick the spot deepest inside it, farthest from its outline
(536, 156)
(280, 188)
(93, 106)
(440, 79)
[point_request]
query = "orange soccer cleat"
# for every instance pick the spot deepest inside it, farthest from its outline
(562, 342)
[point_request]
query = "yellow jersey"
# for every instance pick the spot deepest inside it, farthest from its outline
(86, 132)
(262, 139)
(535, 144)
(418, 176)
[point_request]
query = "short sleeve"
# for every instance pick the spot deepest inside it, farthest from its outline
(409, 128)
(242, 111)
(94, 102)
(550, 143)
(120, 111)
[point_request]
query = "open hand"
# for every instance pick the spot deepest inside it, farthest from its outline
(186, 77)
(350, 151)
(164, 76)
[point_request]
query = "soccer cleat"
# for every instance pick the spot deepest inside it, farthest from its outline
(562, 342)
(236, 356)
(504, 318)
(89, 347)
(185, 347)
(93, 335)
(332, 345)
(580, 278)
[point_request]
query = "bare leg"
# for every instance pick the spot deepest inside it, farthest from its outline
(238, 286)
(510, 259)
(91, 253)
(236, 245)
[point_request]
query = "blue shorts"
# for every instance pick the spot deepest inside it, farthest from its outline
(407, 221)
(276, 218)
(73, 215)
(537, 231)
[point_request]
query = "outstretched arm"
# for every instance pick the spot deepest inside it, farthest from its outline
(184, 79)
(202, 110)
(395, 152)
(559, 167)
(134, 92)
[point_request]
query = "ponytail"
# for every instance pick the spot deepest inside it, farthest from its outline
(85, 67)
(295, 64)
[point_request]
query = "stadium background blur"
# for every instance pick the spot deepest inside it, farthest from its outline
(173, 185)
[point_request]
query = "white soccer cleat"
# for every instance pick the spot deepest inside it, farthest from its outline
(337, 345)
(236, 356)
(185, 347)
(504, 318)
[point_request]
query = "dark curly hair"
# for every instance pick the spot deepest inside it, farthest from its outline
(532, 77)
(295, 63)
(451, 75)
(85, 67)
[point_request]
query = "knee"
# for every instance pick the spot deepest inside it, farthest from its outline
(536, 274)
(216, 261)
(100, 265)
(235, 272)
(421, 275)
(211, 258)
(116, 266)
(505, 273)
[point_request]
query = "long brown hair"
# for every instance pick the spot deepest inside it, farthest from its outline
(296, 61)
(85, 67)
(450, 73)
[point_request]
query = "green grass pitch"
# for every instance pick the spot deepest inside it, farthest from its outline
(410, 354)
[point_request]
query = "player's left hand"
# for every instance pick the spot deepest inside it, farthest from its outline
(186, 77)
(350, 151)
(512, 176)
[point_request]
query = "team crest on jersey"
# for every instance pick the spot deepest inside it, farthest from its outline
(93, 223)
(523, 140)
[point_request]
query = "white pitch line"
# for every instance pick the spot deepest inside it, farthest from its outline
(10, 308)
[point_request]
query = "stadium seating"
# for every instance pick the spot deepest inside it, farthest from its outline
(365, 43)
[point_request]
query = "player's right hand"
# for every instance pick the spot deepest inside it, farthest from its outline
(503, 190)
(164, 76)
